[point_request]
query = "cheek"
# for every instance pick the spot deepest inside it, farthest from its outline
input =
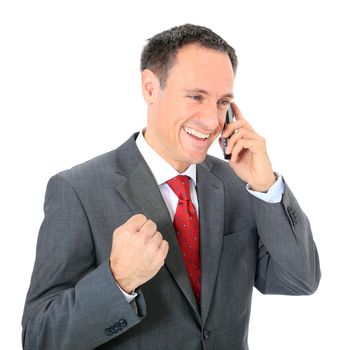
(221, 120)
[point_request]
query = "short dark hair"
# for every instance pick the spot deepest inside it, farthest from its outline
(160, 52)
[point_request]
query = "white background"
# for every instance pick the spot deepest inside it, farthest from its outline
(70, 90)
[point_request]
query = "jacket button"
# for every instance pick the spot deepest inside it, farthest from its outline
(108, 332)
(120, 325)
(292, 214)
(115, 328)
(206, 334)
(123, 323)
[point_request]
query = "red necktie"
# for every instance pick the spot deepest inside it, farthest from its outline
(186, 226)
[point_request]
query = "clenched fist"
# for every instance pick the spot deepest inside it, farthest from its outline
(138, 252)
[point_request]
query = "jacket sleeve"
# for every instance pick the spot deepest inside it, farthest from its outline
(288, 261)
(73, 301)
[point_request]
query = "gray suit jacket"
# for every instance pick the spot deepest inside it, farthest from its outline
(74, 303)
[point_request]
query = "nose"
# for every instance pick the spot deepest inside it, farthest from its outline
(210, 117)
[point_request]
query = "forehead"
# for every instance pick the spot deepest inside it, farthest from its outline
(199, 66)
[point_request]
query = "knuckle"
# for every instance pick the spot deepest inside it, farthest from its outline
(149, 227)
(165, 247)
(136, 222)
(140, 218)
(129, 227)
(156, 241)
(152, 225)
(160, 260)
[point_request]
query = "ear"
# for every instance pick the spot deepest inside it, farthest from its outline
(150, 86)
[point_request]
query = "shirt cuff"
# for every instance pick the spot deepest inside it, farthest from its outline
(128, 297)
(274, 194)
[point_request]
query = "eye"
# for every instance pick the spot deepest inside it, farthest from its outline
(195, 97)
(224, 102)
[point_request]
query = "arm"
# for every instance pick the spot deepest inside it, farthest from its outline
(287, 257)
(72, 303)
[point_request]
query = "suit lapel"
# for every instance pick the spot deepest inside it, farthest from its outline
(141, 193)
(211, 216)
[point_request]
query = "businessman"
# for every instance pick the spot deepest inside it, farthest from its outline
(157, 245)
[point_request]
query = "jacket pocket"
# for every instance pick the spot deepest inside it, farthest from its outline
(239, 238)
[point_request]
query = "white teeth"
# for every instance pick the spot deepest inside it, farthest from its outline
(196, 133)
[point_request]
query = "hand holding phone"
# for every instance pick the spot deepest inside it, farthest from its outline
(224, 141)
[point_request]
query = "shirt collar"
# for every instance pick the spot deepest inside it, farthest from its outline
(161, 170)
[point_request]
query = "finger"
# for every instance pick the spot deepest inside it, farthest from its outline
(164, 247)
(233, 127)
(255, 145)
(149, 228)
(137, 221)
(240, 145)
(157, 238)
(240, 134)
(239, 116)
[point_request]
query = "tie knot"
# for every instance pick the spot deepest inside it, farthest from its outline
(180, 186)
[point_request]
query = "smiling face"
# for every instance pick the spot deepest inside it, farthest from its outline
(188, 114)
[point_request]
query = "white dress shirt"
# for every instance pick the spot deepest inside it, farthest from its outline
(163, 171)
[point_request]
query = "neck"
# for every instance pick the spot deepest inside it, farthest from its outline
(152, 142)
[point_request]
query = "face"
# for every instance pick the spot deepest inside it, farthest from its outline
(188, 114)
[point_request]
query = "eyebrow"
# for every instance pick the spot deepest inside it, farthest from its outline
(201, 91)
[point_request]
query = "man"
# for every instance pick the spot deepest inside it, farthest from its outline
(157, 245)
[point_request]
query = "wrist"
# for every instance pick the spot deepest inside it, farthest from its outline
(126, 287)
(125, 283)
(264, 188)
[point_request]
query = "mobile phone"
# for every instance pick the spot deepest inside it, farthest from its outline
(224, 142)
